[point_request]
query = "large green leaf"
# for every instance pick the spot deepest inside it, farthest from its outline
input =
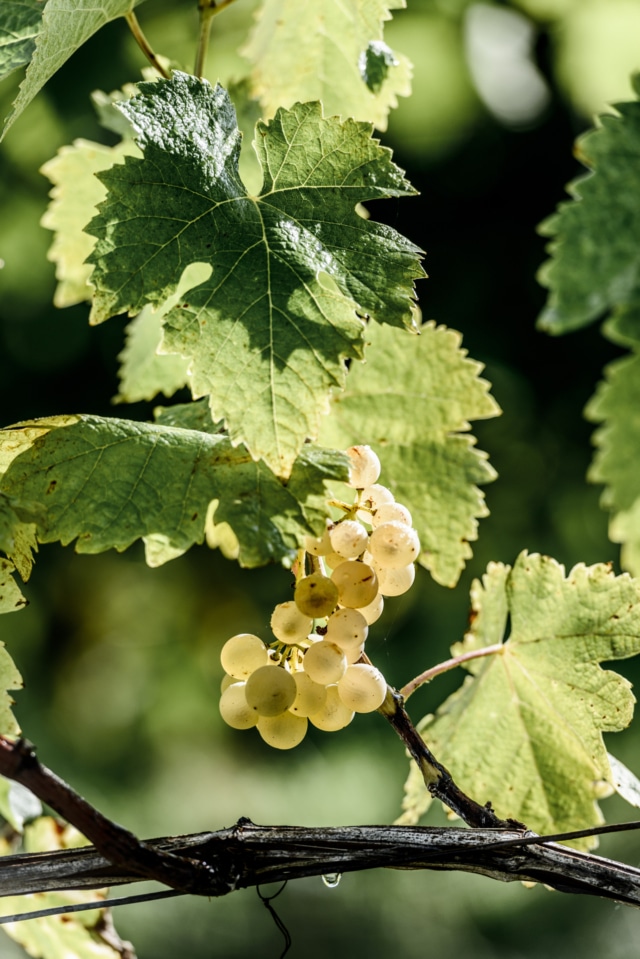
(19, 27)
(66, 25)
(594, 266)
(524, 731)
(617, 460)
(292, 268)
(107, 482)
(331, 51)
(412, 401)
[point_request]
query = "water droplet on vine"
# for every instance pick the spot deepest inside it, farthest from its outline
(332, 879)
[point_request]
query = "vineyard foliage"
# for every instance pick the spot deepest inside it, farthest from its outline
(290, 315)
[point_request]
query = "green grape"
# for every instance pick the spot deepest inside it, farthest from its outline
(284, 731)
(334, 714)
(316, 596)
(289, 625)
(243, 654)
(394, 582)
(347, 628)
(362, 688)
(357, 583)
(348, 539)
(270, 690)
(324, 662)
(373, 611)
(310, 696)
(364, 466)
(353, 655)
(393, 545)
(234, 708)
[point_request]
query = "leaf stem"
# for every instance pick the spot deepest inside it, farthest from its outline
(207, 10)
(448, 664)
(144, 44)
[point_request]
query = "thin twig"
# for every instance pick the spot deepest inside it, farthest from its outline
(144, 44)
(429, 674)
(207, 10)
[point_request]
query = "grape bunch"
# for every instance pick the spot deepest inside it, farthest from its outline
(314, 670)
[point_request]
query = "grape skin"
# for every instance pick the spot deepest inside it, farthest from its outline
(284, 731)
(270, 690)
(364, 467)
(347, 628)
(392, 511)
(393, 545)
(289, 624)
(234, 708)
(324, 662)
(362, 688)
(395, 582)
(334, 714)
(310, 696)
(374, 610)
(348, 539)
(357, 583)
(243, 654)
(316, 595)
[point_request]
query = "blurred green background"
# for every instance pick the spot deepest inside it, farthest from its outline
(121, 662)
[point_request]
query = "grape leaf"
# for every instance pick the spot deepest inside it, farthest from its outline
(65, 26)
(412, 401)
(75, 195)
(333, 52)
(83, 935)
(617, 461)
(17, 536)
(291, 268)
(107, 482)
(144, 372)
(17, 803)
(524, 731)
(19, 27)
(594, 266)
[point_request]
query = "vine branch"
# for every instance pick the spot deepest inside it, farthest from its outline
(448, 664)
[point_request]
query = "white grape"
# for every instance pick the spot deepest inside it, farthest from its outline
(332, 560)
(334, 714)
(348, 539)
(316, 595)
(347, 628)
(234, 708)
(364, 466)
(310, 696)
(284, 731)
(324, 662)
(243, 654)
(357, 583)
(394, 582)
(227, 681)
(318, 547)
(270, 690)
(389, 512)
(362, 688)
(373, 497)
(353, 654)
(393, 545)
(373, 611)
(289, 624)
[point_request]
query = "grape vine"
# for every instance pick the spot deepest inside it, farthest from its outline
(279, 320)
